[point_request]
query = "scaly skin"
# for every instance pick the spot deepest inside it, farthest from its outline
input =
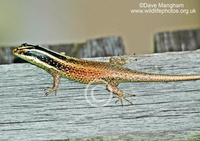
(83, 71)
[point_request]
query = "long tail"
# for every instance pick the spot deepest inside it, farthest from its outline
(140, 76)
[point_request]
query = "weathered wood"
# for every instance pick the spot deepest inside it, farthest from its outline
(161, 110)
(6, 55)
(101, 47)
(182, 40)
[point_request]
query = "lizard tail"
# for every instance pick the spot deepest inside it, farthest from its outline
(142, 77)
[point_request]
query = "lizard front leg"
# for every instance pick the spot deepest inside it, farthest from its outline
(112, 87)
(56, 82)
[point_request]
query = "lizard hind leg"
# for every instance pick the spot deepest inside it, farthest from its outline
(122, 60)
(120, 93)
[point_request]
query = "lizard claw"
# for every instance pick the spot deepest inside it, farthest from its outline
(122, 97)
(119, 93)
(51, 89)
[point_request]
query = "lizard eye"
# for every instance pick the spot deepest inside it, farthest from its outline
(27, 46)
(24, 45)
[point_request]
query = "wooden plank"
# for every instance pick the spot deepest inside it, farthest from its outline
(181, 40)
(161, 110)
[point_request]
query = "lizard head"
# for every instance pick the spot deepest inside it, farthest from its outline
(30, 53)
(38, 55)
(23, 49)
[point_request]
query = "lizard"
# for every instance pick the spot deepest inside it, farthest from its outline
(84, 71)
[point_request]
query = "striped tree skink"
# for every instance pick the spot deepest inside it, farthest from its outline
(83, 71)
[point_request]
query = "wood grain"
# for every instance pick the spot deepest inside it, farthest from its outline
(181, 40)
(161, 110)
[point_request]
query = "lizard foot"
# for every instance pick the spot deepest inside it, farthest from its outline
(121, 96)
(50, 90)
(122, 60)
(112, 87)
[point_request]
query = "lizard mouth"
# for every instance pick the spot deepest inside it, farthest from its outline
(14, 50)
(18, 51)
